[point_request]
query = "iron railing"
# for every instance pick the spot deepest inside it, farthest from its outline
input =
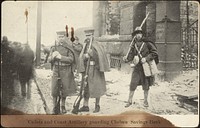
(189, 49)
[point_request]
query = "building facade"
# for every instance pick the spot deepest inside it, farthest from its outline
(163, 26)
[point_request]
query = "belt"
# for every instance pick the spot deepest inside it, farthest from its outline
(92, 63)
(62, 64)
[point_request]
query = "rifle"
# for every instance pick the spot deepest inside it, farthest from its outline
(84, 83)
(131, 44)
(52, 62)
(59, 84)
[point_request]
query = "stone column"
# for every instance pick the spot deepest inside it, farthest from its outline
(168, 38)
(98, 17)
(151, 21)
(131, 15)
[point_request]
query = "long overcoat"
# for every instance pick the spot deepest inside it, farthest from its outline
(96, 76)
(65, 70)
(149, 52)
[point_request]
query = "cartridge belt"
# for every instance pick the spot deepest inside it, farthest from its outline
(62, 64)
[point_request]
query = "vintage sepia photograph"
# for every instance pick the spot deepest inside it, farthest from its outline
(100, 63)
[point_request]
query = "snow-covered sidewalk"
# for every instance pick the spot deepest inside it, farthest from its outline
(161, 99)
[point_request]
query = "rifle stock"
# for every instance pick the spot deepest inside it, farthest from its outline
(57, 107)
(59, 84)
(52, 62)
(80, 97)
(84, 83)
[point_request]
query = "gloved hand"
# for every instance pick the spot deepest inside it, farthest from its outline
(54, 54)
(90, 52)
(124, 59)
(143, 60)
(86, 56)
(132, 65)
(58, 56)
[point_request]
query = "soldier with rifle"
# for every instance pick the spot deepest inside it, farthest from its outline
(63, 83)
(92, 64)
(140, 51)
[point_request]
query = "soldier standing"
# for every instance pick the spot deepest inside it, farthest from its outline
(148, 52)
(96, 85)
(63, 63)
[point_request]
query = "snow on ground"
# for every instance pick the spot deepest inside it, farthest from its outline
(28, 106)
(161, 99)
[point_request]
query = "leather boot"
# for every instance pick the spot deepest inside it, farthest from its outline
(128, 104)
(146, 104)
(146, 92)
(131, 93)
(63, 110)
(56, 111)
(84, 109)
(97, 109)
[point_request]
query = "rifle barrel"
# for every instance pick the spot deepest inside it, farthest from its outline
(134, 36)
(59, 83)
(144, 20)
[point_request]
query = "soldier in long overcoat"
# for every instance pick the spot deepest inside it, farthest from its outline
(148, 52)
(96, 85)
(61, 55)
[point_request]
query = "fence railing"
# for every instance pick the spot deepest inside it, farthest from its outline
(115, 61)
(189, 49)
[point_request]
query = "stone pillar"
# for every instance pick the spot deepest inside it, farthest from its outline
(151, 21)
(131, 15)
(168, 38)
(98, 17)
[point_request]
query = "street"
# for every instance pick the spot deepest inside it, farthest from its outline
(162, 98)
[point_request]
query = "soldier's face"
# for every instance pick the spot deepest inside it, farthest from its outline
(139, 36)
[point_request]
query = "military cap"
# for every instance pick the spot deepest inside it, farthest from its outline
(76, 38)
(89, 32)
(62, 40)
(137, 30)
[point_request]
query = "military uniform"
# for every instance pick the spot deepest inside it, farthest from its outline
(96, 78)
(66, 73)
(62, 65)
(96, 85)
(138, 77)
(141, 52)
